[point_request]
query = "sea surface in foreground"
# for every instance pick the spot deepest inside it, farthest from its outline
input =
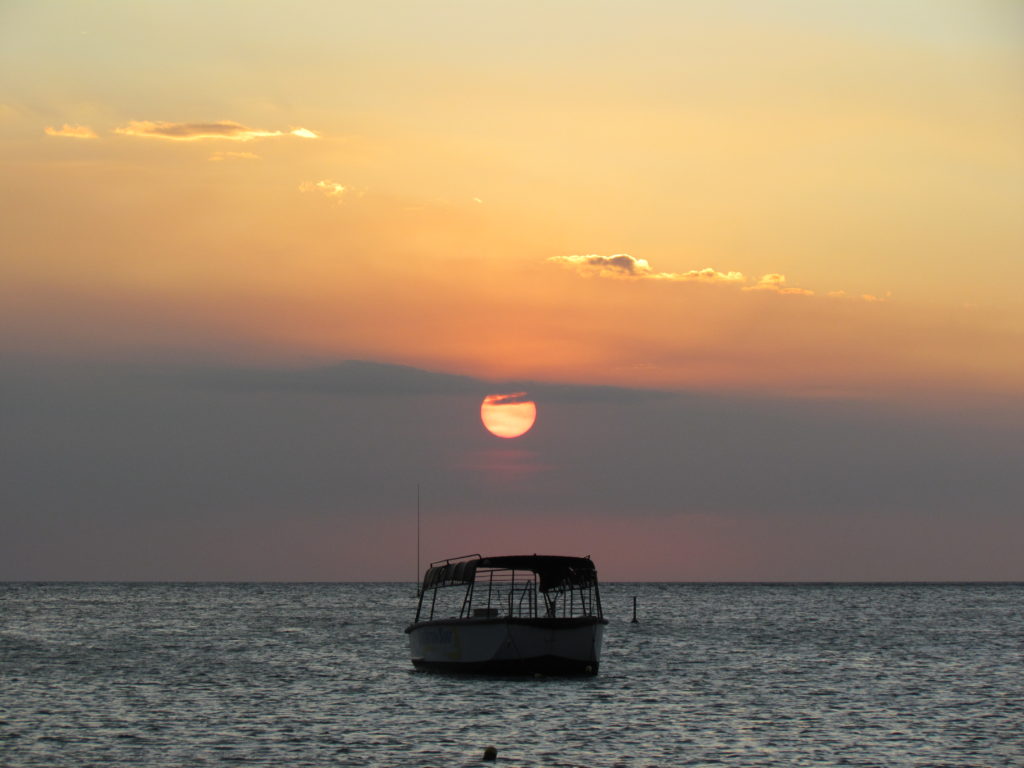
(319, 675)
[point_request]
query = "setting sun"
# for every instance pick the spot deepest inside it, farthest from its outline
(508, 415)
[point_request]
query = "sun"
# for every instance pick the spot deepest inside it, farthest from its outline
(508, 415)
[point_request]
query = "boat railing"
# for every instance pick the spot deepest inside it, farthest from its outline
(493, 592)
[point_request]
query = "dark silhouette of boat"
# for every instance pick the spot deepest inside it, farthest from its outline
(509, 615)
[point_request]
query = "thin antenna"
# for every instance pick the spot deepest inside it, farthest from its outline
(418, 574)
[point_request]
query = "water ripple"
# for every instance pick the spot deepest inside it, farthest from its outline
(318, 675)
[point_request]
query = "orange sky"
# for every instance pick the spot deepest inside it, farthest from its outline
(325, 196)
(795, 199)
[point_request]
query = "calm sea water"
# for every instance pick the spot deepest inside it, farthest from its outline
(319, 675)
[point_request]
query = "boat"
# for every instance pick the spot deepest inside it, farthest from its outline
(509, 615)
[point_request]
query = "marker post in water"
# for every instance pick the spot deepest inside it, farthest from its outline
(634, 621)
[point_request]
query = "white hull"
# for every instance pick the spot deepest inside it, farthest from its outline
(508, 646)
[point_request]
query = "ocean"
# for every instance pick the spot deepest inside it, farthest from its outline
(319, 675)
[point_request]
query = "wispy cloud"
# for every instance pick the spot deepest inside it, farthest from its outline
(71, 131)
(325, 187)
(777, 283)
(625, 266)
(511, 398)
(224, 129)
(870, 298)
(219, 156)
(706, 275)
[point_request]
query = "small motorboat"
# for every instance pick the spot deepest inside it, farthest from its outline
(509, 615)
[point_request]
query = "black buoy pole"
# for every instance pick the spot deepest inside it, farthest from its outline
(634, 611)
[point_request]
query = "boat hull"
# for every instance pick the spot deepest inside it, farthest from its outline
(508, 646)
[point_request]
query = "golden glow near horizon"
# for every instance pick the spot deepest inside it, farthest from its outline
(806, 198)
(508, 415)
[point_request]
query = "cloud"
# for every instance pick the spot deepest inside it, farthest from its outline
(706, 275)
(508, 399)
(777, 283)
(870, 298)
(624, 265)
(218, 156)
(375, 379)
(325, 187)
(224, 129)
(620, 265)
(71, 131)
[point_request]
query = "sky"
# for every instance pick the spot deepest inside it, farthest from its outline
(757, 264)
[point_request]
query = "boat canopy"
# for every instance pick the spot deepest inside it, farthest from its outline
(555, 571)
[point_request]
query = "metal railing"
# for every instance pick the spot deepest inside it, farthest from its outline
(510, 593)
